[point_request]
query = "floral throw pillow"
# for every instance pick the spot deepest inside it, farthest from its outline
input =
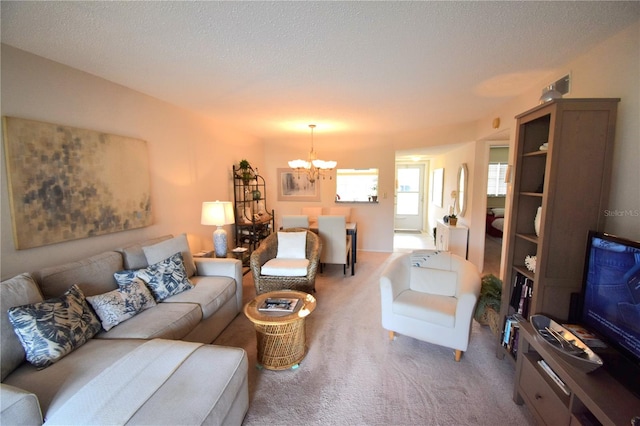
(165, 278)
(51, 329)
(119, 305)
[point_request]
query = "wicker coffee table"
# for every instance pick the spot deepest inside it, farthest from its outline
(280, 335)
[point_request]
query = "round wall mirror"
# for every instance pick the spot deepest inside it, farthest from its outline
(463, 177)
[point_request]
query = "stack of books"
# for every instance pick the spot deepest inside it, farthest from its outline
(521, 294)
(511, 333)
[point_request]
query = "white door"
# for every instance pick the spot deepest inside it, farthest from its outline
(409, 208)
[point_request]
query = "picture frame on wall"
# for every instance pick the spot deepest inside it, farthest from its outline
(295, 186)
(67, 183)
(437, 187)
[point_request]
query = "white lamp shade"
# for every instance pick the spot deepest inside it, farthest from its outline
(299, 164)
(218, 213)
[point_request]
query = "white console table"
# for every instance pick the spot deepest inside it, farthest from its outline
(452, 238)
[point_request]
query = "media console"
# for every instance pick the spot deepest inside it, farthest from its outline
(587, 399)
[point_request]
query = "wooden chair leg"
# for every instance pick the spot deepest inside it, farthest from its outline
(458, 355)
(391, 335)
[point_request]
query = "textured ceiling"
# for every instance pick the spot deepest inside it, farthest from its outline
(270, 68)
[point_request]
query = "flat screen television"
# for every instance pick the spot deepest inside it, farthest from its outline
(611, 303)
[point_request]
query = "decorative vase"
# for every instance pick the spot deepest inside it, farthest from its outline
(536, 221)
(453, 221)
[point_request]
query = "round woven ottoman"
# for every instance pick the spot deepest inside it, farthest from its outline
(280, 335)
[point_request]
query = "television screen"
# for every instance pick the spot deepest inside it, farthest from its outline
(611, 292)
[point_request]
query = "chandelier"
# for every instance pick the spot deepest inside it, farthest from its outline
(314, 167)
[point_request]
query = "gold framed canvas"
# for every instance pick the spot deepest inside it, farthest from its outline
(295, 186)
(67, 183)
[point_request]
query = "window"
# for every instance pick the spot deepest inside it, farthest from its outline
(496, 186)
(353, 185)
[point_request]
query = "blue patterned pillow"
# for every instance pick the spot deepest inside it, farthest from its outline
(119, 305)
(164, 279)
(51, 329)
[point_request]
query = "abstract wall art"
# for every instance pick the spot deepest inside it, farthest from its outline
(67, 183)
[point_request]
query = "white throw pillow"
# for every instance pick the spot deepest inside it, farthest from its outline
(119, 305)
(292, 245)
(498, 211)
(285, 267)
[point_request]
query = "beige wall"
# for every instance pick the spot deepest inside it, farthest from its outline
(190, 156)
(612, 70)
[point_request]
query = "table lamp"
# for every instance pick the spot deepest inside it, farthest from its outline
(218, 213)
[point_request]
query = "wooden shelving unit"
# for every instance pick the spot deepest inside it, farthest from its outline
(570, 182)
(254, 222)
(590, 399)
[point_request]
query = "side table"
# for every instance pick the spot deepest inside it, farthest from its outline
(281, 338)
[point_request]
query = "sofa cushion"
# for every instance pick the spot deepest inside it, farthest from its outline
(285, 267)
(19, 290)
(210, 293)
(439, 310)
(165, 321)
(133, 256)
(164, 279)
(157, 252)
(51, 329)
(119, 305)
(292, 245)
(203, 386)
(19, 407)
(434, 281)
(94, 275)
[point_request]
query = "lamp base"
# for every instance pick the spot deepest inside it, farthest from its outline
(220, 242)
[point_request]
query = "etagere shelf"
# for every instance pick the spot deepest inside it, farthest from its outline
(568, 179)
(254, 222)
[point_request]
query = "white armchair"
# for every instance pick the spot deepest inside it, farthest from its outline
(433, 302)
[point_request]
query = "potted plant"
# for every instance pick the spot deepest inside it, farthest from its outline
(245, 170)
(453, 219)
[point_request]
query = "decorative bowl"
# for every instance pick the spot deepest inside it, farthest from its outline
(566, 344)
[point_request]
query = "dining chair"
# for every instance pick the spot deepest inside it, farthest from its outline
(335, 241)
(295, 221)
(313, 213)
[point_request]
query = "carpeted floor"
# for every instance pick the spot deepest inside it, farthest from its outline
(353, 374)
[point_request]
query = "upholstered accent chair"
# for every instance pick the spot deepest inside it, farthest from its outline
(287, 259)
(335, 241)
(295, 221)
(430, 296)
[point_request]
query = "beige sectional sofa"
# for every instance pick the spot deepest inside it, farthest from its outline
(157, 367)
